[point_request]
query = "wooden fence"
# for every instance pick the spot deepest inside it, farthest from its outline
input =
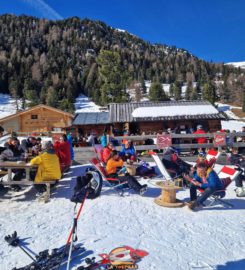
(230, 142)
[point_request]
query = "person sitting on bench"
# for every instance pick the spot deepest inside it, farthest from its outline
(48, 166)
(113, 166)
(204, 178)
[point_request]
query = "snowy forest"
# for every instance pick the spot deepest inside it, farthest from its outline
(52, 62)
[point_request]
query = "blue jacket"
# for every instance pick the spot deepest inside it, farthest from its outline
(103, 140)
(213, 180)
(129, 151)
(70, 140)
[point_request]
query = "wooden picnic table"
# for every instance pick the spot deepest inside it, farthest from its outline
(11, 165)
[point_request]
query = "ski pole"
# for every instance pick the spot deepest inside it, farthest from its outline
(76, 218)
(72, 237)
(14, 241)
(72, 231)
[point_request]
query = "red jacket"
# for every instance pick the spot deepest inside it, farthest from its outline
(201, 139)
(62, 150)
(105, 154)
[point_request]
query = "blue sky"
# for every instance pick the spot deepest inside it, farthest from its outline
(213, 30)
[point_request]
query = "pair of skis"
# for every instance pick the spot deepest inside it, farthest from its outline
(45, 260)
(53, 260)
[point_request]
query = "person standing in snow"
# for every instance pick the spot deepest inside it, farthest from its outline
(103, 139)
(70, 141)
(90, 140)
(62, 149)
(200, 140)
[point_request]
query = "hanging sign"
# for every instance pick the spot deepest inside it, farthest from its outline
(219, 139)
(164, 140)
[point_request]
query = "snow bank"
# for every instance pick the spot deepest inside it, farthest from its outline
(84, 104)
(176, 238)
(233, 125)
(7, 105)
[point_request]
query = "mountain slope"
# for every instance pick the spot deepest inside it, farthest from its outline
(52, 62)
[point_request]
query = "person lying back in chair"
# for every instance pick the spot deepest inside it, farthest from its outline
(113, 166)
(204, 178)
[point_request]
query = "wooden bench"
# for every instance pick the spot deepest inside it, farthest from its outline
(3, 173)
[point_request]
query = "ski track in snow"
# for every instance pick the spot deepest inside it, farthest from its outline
(176, 238)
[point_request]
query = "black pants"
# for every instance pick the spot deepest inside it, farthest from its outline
(239, 179)
(131, 181)
(201, 199)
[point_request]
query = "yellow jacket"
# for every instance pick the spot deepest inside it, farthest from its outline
(112, 165)
(48, 167)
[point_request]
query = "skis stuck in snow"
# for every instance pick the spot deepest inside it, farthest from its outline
(47, 259)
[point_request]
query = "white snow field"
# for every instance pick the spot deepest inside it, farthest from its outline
(176, 238)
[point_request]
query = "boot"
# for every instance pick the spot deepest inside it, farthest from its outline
(240, 192)
(192, 205)
(143, 190)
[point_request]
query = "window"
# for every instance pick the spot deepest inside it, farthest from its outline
(34, 116)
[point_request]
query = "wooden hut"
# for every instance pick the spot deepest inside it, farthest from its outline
(91, 123)
(150, 117)
(40, 118)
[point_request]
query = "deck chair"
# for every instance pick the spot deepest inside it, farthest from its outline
(228, 172)
(212, 154)
(217, 196)
(112, 182)
(98, 151)
(226, 175)
(160, 166)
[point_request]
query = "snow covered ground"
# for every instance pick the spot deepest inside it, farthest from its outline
(84, 104)
(7, 105)
(176, 238)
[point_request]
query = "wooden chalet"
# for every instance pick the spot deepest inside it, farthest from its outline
(91, 122)
(40, 118)
(152, 117)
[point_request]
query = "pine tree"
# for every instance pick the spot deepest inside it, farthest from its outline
(189, 90)
(177, 91)
(112, 77)
(143, 87)
(156, 92)
(209, 93)
(13, 86)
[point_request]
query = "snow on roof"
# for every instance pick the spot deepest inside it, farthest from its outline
(173, 111)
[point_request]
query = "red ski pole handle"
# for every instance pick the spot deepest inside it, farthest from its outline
(77, 217)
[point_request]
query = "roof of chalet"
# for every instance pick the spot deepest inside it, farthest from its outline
(91, 118)
(34, 108)
(129, 112)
